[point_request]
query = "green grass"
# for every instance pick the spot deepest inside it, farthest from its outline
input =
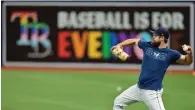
(85, 91)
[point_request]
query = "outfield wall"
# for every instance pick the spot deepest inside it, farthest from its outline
(80, 35)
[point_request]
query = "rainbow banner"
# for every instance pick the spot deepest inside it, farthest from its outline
(96, 44)
(83, 34)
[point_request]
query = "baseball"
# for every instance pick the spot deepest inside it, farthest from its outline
(118, 89)
(185, 48)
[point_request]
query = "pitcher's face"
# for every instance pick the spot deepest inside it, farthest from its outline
(156, 40)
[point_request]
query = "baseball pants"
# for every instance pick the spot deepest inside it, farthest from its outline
(152, 98)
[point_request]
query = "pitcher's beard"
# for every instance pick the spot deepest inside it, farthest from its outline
(156, 44)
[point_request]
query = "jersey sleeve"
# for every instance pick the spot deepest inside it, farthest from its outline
(142, 44)
(175, 55)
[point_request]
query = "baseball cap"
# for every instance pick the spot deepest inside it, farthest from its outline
(161, 31)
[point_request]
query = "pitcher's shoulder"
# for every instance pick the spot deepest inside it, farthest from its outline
(172, 50)
(149, 43)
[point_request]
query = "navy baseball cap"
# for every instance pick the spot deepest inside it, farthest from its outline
(161, 32)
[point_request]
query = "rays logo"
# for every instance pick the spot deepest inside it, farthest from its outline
(33, 33)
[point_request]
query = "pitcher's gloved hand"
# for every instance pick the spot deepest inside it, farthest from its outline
(118, 51)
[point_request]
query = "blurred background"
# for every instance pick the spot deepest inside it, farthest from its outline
(56, 55)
